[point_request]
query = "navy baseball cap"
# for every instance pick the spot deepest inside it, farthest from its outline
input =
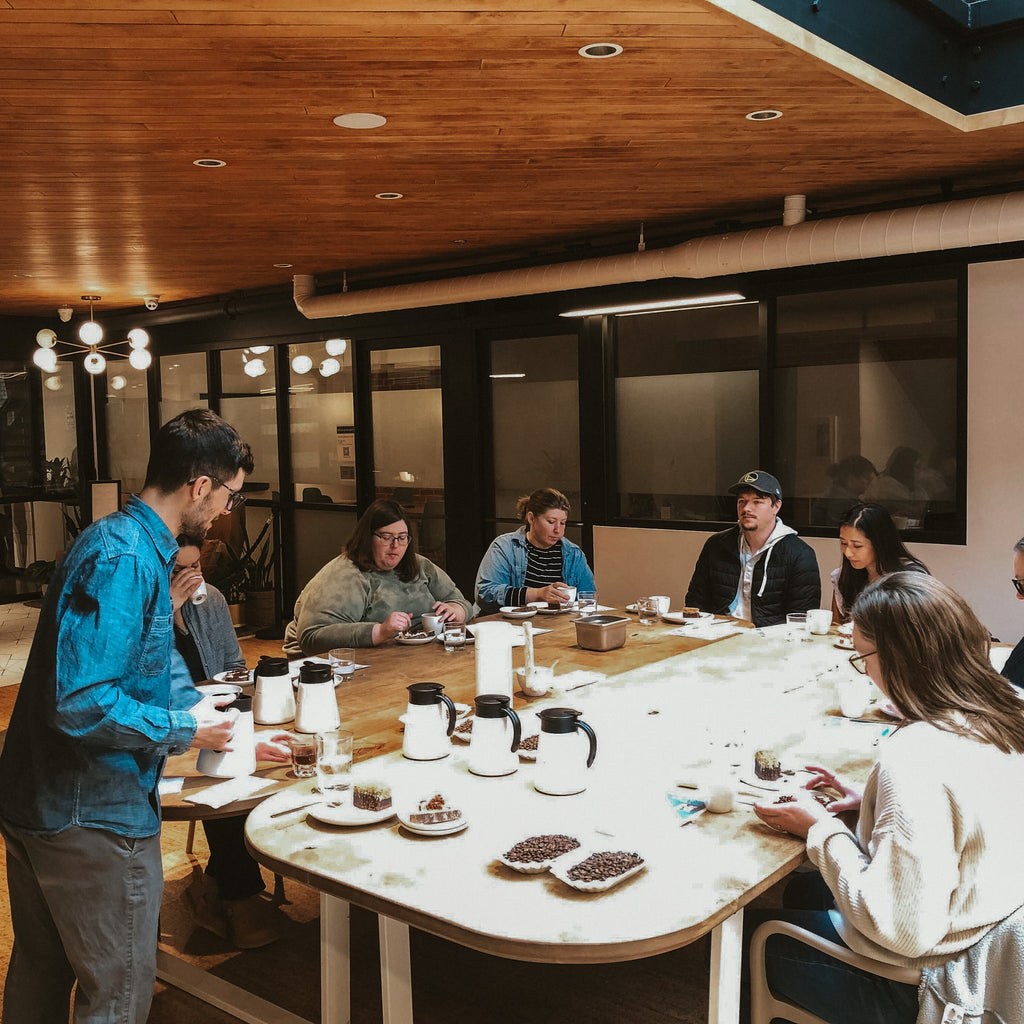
(760, 481)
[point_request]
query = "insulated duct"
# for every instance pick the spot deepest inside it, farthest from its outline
(959, 224)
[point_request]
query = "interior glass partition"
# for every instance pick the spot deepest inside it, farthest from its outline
(249, 403)
(184, 384)
(127, 410)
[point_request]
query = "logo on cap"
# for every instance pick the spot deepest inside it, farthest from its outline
(750, 478)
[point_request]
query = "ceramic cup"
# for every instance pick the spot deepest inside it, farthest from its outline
(819, 620)
(432, 624)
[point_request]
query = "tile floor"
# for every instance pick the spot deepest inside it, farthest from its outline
(17, 627)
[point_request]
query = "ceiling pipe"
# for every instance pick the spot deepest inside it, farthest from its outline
(958, 224)
(794, 210)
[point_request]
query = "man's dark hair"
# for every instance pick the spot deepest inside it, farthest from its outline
(196, 443)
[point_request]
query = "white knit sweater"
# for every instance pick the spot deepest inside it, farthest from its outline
(939, 854)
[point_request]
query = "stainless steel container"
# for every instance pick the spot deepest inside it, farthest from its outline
(601, 632)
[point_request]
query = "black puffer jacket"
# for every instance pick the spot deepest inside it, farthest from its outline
(793, 585)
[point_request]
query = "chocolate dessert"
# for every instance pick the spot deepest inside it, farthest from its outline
(371, 796)
(766, 765)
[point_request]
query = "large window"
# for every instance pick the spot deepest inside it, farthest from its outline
(686, 408)
(866, 403)
(249, 404)
(127, 425)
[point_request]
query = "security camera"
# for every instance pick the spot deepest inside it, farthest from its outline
(152, 301)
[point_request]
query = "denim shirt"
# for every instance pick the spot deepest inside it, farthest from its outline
(91, 725)
(504, 566)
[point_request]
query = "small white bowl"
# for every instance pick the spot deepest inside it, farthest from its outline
(535, 690)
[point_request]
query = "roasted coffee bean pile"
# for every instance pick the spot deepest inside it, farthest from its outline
(600, 866)
(786, 800)
(530, 743)
(465, 728)
(538, 848)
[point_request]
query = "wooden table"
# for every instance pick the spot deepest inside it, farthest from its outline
(658, 716)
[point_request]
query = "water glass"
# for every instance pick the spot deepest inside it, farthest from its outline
(334, 762)
(797, 623)
(303, 750)
(587, 602)
(647, 610)
(343, 661)
(454, 636)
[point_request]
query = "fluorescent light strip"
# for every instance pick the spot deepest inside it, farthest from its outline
(646, 307)
(507, 376)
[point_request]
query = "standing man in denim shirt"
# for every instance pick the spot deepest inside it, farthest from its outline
(91, 727)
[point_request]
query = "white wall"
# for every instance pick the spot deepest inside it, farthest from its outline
(630, 562)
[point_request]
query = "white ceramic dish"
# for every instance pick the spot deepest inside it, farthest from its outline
(220, 678)
(846, 629)
(561, 868)
(518, 612)
(427, 638)
(542, 608)
(347, 815)
(844, 643)
(219, 689)
(682, 620)
(440, 828)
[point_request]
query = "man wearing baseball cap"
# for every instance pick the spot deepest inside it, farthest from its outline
(759, 569)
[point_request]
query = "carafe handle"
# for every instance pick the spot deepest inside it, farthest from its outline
(451, 712)
(592, 736)
(517, 729)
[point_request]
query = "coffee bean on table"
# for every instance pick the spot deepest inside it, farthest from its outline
(599, 867)
(538, 848)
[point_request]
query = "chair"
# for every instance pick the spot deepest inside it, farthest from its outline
(764, 1007)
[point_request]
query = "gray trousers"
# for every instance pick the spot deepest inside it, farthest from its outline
(85, 905)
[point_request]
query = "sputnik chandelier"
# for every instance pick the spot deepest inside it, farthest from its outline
(90, 336)
(328, 367)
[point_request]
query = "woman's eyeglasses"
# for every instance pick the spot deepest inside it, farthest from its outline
(857, 661)
(1018, 585)
(393, 538)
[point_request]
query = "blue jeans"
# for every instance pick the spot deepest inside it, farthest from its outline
(85, 905)
(828, 988)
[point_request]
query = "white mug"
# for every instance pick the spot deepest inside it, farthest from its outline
(662, 602)
(200, 594)
(819, 620)
(432, 624)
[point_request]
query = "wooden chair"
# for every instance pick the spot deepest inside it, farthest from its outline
(764, 1006)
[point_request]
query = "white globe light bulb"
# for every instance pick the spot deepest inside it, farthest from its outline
(118, 382)
(53, 383)
(95, 363)
(258, 350)
(45, 359)
(138, 338)
(336, 346)
(329, 367)
(46, 338)
(91, 333)
(140, 358)
(302, 364)
(255, 368)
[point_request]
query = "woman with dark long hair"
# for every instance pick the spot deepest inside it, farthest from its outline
(871, 548)
(375, 589)
(933, 865)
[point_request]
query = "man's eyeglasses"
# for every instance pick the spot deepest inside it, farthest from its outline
(857, 661)
(1018, 585)
(236, 499)
(393, 538)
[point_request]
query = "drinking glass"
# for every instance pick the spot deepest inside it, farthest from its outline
(797, 623)
(334, 762)
(647, 610)
(303, 750)
(587, 602)
(343, 661)
(454, 636)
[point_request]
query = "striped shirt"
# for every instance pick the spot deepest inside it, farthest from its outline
(543, 567)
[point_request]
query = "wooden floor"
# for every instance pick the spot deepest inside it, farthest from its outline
(451, 985)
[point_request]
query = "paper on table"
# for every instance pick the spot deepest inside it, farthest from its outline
(233, 789)
(170, 784)
(704, 629)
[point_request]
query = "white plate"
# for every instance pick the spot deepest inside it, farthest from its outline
(219, 689)
(542, 608)
(348, 815)
(845, 643)
(415, 640)
(846, 629)
(220, 677)
(561, 868)
(678, 617)
(516, 612)
(440, 828)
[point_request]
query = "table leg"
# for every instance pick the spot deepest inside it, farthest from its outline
(335, 961)
(395, 971)
(726, 964)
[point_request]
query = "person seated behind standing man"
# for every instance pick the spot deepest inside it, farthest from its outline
(850, 478)
(1013, 669)
(871, 548)
(91, 727)
(375, 589)
(226, 900)
(758, 570)
(535, 562)
(934, 863)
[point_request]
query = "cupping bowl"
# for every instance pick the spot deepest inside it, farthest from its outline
(601, 632)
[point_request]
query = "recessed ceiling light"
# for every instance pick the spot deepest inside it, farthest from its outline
(764, 115)
(24, 275)
(209, 161)
(389, 195)
(360, 121)
(600, 51)
(283, 266)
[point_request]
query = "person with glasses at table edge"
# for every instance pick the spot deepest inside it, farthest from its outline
(536, 562)
(758, 570)
(929, 877)
(375, 589)
(1013, 669)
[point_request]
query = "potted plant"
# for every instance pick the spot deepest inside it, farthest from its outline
(250, 576)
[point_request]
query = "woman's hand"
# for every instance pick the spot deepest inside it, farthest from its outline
(274, 748)
(395, 623)
(849, 801)
(449, 611)
(795, 817)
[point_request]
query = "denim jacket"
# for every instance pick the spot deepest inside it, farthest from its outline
(91, 725)
(504, 566)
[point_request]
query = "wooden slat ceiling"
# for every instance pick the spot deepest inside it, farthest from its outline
(507, 146)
